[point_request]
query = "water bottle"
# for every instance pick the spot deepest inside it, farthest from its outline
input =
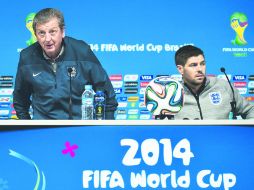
(87, 107)
(99, 105)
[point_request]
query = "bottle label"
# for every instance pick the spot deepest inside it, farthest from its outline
(99, 111)
(88, 101)
(99, 98)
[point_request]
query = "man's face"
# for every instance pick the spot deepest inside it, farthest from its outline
(193, 72)
(50, 36)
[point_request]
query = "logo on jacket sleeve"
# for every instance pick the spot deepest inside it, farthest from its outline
(215, 98)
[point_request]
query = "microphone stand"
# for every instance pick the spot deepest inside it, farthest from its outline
(164, 116)
(70, 99)
(233, 103)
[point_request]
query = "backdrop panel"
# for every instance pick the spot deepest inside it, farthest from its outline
(136, 41)
(115, 157)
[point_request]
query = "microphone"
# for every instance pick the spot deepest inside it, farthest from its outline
(222, 69)
(233, 103)
(70, 95)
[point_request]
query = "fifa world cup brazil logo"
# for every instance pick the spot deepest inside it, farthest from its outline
(239, 22)
(29, 26)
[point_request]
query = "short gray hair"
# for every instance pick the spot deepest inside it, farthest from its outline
(47, 14)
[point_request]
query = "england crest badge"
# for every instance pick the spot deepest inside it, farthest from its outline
(215, 98)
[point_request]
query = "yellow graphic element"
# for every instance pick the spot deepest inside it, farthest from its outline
(14, 117)
(239, 22)
(133, 99)
(239, 30)
(29, 26)
(133, 104)
(99, 110)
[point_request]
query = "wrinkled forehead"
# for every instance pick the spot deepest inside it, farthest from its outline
(49, 24)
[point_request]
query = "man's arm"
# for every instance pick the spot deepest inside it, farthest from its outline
(21, 94)
(101, 81)
(244, 107)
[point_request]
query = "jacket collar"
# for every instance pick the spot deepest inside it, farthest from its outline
(202, 87)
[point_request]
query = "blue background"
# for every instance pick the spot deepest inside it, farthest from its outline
(205, 24)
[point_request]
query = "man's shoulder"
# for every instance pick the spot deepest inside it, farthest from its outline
(217, 81)
(78, 50)
(31, 53)
(30, 49)
(75, 42)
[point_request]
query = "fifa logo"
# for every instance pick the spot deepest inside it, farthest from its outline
(29, 26)
(239, 22)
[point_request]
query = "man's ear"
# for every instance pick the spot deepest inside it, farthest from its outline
(63, 33)
(180, 69)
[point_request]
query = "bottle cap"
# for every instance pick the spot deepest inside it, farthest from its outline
(88, 87)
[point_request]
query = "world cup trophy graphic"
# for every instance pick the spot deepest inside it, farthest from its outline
(239, 22)
(29, 26)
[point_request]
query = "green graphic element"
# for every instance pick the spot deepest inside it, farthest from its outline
(32, 163)
(239, 22)
(29, 26)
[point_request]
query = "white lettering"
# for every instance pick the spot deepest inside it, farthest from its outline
(152, 47)
(102, 179)
(228, 180)
(129, 158)
(136, 47)
(150, 152)
(155, 180)
(109, 47)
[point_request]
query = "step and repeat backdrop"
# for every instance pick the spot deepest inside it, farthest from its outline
(136, 40)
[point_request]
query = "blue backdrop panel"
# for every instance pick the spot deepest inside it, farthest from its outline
(61, 156)
(152, 30)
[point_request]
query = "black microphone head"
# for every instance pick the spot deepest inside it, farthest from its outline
(222, 69)
(69, 70)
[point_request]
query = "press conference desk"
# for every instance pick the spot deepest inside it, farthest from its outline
(124, 122)
(72, 154)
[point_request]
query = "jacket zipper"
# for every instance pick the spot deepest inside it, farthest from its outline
(199, 107)
(196, 96)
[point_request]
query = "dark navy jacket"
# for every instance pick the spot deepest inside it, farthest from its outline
(48, 92)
